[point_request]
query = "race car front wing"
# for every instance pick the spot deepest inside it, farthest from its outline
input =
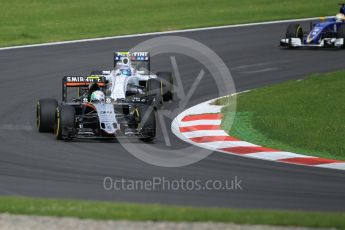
(326, 42)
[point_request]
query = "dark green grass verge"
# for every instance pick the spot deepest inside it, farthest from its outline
(305, 116)
(37, 21)
(141, 212)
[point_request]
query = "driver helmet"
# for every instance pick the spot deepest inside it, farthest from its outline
(126, 71)
(125, 61)
(339, 17)
(342, 9)
(97, 96)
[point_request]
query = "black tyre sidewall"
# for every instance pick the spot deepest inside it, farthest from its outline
(341, 34)
(167, 84)
(45, 114)
(65, 120)
(147, 121)
(154, 90)
(294, 31)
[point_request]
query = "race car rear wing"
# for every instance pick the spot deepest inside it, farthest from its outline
(135, 57)
(82, 82)
(77, 81)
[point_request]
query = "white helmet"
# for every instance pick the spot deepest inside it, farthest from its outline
(339, 17)
(97, 96)
(126, 61)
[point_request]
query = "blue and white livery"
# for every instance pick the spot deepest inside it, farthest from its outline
(328, 32)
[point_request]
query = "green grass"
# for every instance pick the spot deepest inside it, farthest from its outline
(138, 212)
(37, 21)
(305, 116)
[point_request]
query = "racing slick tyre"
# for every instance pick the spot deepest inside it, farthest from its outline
(341, 34)
(65, 122)
(154, 91)
(45, 115)
(167, 82)
(294, 31)
(147, 122)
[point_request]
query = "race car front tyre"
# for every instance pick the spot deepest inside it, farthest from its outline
(167, 82)
(65, 122)
(294, 31)
(341, 34)
(147, 122)
(45, 115)
(154, 91)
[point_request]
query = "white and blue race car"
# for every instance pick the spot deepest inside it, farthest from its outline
(131, 76)
(328, 32)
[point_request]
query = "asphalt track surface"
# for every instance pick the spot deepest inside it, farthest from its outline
(34, 164)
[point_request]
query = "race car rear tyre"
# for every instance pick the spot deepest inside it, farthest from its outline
(341, 34)
(147, 122)
(65, 122)
(154, 91)
(45, 115)
(294, 31)
(167, 82)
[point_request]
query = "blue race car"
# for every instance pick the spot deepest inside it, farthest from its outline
(328, 32)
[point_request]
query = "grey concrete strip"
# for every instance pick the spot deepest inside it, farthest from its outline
(21, 222)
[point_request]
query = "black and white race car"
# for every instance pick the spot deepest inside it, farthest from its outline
(91, 114)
